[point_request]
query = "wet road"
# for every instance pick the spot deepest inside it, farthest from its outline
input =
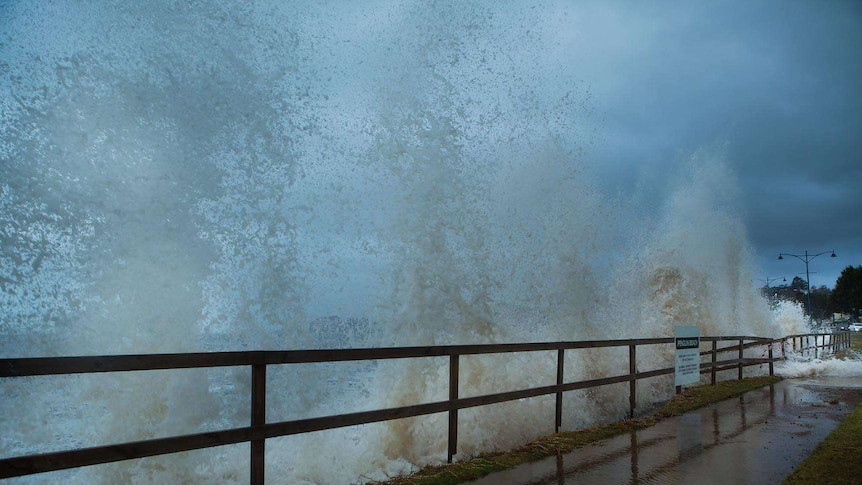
(757, 438)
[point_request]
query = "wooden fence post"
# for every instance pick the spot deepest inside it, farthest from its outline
(453, 413)
(714, 358)
(771, 368)
(258, 418)
(633, 370)
(558, 421)
(740, 357)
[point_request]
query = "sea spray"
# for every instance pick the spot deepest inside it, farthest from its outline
(790, 318)
(226, 176)
(797, 366)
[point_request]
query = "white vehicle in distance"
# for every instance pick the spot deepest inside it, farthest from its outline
(856, 327)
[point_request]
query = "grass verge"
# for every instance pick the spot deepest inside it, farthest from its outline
(836, 459)
(479, 466)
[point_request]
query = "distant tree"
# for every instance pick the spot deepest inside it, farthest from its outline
(798, 285)
(797, 291)
(847, 296)
(821, 309)
(781, 292)
(771, 294)
(799, 288)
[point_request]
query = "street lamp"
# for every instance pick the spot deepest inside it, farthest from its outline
(770, 280)
(806, 258)
(769, 295)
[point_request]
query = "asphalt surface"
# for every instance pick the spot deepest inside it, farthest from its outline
(757, 438)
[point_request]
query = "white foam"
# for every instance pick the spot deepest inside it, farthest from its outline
(227, 177)
(828, 367)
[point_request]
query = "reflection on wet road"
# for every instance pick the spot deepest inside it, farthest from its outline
(757, 438)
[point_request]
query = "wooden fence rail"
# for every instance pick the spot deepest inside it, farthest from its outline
(259, 430)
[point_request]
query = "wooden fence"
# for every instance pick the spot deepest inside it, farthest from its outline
(816, 344)
(259, 430)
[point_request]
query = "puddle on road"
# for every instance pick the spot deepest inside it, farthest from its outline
(756, 438)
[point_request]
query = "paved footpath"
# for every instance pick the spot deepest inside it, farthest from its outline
(757, 438)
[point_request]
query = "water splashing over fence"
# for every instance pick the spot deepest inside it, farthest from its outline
(225, 176)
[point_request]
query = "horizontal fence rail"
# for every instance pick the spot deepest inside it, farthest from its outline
(259, 430)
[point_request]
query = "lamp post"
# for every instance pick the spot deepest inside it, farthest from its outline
(806, 258)
(770, 280)
(769, 295)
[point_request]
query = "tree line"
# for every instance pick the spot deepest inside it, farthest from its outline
(845, 297)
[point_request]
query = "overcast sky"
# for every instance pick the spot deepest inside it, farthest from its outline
(777, 85)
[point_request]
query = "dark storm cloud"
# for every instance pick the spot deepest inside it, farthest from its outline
(778, 84)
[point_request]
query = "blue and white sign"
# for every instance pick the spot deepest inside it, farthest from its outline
(687, 340)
